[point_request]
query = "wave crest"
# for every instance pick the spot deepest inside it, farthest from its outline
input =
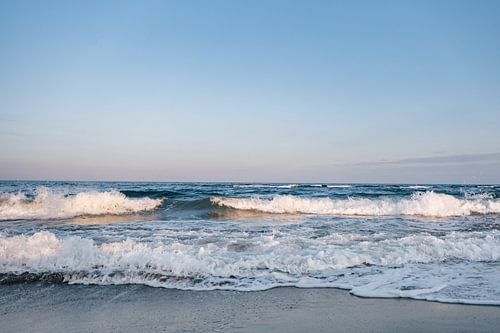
(48, 204)
(420, 203)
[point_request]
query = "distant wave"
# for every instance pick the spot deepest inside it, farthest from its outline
(415, 187)
(288, 186)
(422, 204)
(265, 186)
(48, 204)
(338, 186)
(329, 186)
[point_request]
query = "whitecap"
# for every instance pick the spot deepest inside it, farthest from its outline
(420, 204)
(48, 204)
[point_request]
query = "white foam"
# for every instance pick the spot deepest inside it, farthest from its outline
(418, 266)
(49, 204)
(422, 204)
(43, 251)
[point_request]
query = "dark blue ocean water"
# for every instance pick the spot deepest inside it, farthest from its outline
(434, 242)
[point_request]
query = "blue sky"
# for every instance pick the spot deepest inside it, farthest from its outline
(332, 91)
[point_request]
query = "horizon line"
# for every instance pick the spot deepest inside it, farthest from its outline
(240, 182)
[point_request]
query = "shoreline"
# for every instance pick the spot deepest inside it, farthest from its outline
(44, 307)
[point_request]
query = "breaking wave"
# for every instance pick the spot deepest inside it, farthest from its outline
(413, 266)
(47, 204)
(420, 203)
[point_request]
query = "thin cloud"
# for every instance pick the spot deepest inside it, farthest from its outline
(484, 158)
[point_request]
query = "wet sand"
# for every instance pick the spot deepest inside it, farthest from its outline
(43, 307)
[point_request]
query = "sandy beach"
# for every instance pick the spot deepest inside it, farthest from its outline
(42, 307)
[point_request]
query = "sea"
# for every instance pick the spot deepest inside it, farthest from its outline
(428, 242)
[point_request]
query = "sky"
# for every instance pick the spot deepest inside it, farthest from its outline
(275, 91)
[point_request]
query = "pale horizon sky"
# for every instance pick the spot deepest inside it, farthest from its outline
(269, 91)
